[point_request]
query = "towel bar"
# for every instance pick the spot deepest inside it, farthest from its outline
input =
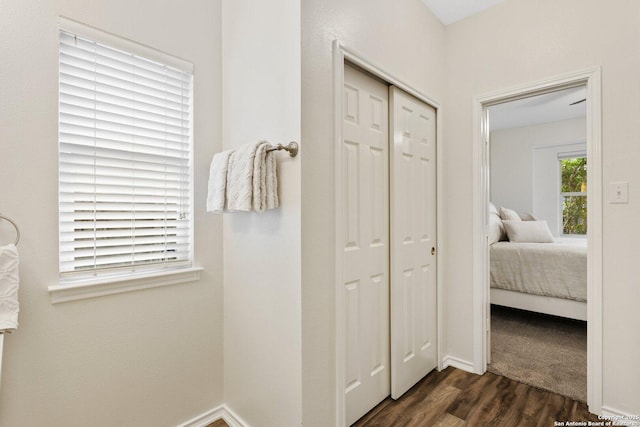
(291, 147)
(14, 226)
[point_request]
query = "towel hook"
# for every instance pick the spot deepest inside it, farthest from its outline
(291, 147)
(14, 226)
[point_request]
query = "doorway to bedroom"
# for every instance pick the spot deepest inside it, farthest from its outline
(538, 241)
(535, 192)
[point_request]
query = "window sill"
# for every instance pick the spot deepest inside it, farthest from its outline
(73, 290)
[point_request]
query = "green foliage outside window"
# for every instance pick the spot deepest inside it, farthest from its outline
(574, 192)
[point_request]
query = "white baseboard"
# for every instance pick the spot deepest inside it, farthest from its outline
(620, 418)
(457, 363)
(232, 419)
(205, 419)
(221, 412)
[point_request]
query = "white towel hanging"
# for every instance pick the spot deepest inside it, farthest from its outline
(9, 283)
(240, 178)
(245, 179)
(265, 182)
(216, 199)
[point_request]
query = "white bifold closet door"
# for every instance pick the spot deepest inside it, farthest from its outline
(413, 241)
(389, 229)
(365, 178)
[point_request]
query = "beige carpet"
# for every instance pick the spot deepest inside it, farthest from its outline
(543, 351)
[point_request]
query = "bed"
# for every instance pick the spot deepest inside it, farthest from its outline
(548, 278)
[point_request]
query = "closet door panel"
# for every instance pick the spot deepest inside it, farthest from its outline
(365, 177)
(413, 231)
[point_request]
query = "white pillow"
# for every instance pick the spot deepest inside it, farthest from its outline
(528, 231)
(509, 214)
(527, 216)
(496, 229)
(492, 209)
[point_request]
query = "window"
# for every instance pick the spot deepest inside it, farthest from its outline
(573, 193)
(125, 157)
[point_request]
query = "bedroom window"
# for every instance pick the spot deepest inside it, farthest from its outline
(573, 193)
(125, 156)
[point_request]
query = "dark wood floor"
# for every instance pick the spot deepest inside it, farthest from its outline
(457, 398)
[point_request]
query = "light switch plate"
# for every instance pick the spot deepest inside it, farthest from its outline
(619, 192)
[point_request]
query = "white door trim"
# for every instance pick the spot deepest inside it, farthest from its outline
(591, 79)
(340, 54)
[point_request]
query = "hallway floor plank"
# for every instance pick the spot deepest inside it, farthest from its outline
(453, 398)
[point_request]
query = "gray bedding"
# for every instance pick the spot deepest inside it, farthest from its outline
(549, 269)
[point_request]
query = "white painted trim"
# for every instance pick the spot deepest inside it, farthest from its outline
(591, 79)
(232, 419)
(206, 418)
(1, 351)
(75, 290)
(338, 82)
(340, 54)
(594, 242)
(439, 236)
(220, 412)
(621, 418)
(361, 61)
(480, 239)
(458, 363)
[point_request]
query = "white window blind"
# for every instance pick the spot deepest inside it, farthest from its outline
(125, 151)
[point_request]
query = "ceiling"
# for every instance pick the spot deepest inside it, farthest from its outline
(450, 11)
(535, 110)
(550, 107)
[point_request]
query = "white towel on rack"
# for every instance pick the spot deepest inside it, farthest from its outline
(265, 183)
(216, 199)
(9, 282)
(259, 178)
(243, 180)
(271, 180)
(240, 178)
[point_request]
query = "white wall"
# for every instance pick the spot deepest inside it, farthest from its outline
(262, 283)
(144, 358)
(403, 38)
(522, 41)
(513, 155)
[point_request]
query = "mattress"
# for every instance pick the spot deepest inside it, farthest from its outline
(549, 269)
